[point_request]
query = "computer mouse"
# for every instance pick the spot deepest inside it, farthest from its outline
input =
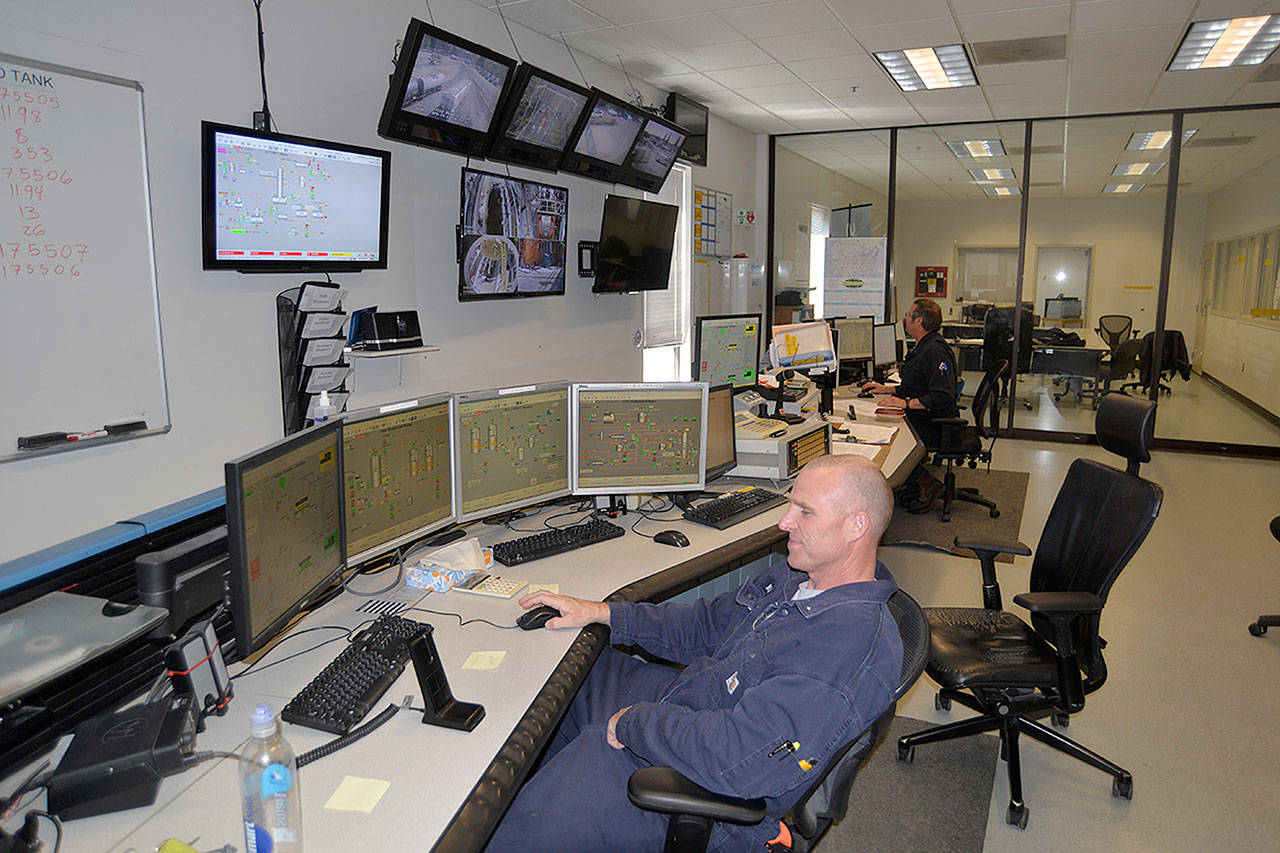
(537, 617)
(117, 608)
(672, 537)
(865, 395)
(777, 433)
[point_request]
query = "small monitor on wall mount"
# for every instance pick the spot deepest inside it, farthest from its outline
(693, 117)
(446, 92)
(604, 137)
(541, 114)
(653, 155)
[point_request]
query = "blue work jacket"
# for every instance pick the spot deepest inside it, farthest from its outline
(771, 687)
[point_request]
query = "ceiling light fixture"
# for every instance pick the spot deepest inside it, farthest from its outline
(919, 68)
(1223, 43)
(977, 148)
(992, 174)
(1127, 169)
(1154, 140)
(1123, 188)
(1002, 191)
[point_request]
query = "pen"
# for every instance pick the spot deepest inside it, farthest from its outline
(81, 436)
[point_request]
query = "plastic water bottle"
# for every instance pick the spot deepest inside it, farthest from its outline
(269, 791)
(324, 409)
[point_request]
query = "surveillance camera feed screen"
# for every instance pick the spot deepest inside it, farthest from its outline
(512, 237)
(609, 133)
(657, 149)
(546, 114)
(453, 85)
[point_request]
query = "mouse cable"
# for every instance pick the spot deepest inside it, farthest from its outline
(461, 621)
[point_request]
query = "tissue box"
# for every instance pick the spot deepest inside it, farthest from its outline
(441, 569)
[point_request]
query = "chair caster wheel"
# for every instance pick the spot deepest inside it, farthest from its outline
(1257, 629)
(941, 702)
(906, 753)
(1017, 816)
(973, 463)
(995, 513)
(1061, 721)
(1122, 786)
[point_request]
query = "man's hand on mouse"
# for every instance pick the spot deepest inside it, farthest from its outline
(574, 612)
(877, 387)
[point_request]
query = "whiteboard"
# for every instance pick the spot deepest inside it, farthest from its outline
(77, 261)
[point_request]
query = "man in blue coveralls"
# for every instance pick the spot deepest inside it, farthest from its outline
(776, 677)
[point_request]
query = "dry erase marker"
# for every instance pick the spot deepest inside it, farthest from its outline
(81, 436)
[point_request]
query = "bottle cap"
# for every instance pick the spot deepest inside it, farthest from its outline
(263, 722)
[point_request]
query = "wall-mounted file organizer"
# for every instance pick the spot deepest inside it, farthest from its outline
(309, 322)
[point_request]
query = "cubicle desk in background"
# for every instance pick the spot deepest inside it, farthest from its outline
(1077, 363)
(446, 787)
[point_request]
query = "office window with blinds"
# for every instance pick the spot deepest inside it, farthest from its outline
(819, 230)
(666, 312)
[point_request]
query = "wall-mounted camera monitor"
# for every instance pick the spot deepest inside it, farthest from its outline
(637, 239)
(511, 237)
(541, 114)
(653, 155)
(446, 92)
(277, 203)
(600, 144)
(693, 117)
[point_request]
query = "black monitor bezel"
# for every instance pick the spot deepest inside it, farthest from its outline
(587, 166)
(697, 345)
(527, 154)
(208, 201)
(721, 470)
(641, 180)
(247, 643)
(596, 285)
(462, 235)
(403, 126)
(695, 154)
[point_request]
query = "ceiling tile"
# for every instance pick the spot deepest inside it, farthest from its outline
(739, 79)
(1106, 102)
(844, 88)
(857, 64)
(1101, 15)
(860, 13)
(608, 43)
(1016, 24)
(868, 101)
(553, 16)
(1117, 42)
(1028, 107)
(819, 45)
(1120, 65)
(786, 93)
(717, 56)
(683, 33)
(631, 12)
(1117, 84)
(1257, 93)
(958, 112)
(882, 116)
(974, 7)
(690, 83)
(782, 19)
(937, 31)
(1022, 72)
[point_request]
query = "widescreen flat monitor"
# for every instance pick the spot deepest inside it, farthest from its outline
(806, 347)
(397, 463)
(653, 155)
(637, 241)
(284, 530)
(541, 114)
(277, 203)
(511, 237)
(856, 335)
(884, 343)
(693, 117)
(722, 446)
(638, 438)
(727, 349)
(445, 92)
(513, 448)
(603, 138)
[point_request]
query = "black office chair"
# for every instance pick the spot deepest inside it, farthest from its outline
(693, 809)
(1016, 673)
(960, 441)
(997, 344)
(1120, 364)
(1173, 361)
(1264, 622)
(1114, 329)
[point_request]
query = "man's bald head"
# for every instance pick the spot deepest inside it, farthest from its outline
(860, 486)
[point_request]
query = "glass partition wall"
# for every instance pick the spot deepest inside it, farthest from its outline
(1070, 218)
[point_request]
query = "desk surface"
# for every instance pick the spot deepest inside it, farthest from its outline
(446, 788)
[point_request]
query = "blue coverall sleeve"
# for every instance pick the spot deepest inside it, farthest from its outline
(676, 632)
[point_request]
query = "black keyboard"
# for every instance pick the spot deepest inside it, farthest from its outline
(728, 510)
(539, 545)
(345, 690)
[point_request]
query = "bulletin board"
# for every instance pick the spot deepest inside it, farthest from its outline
(77, 263)
(712, 222)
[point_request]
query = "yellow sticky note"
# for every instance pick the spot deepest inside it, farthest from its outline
(484, 660)
(549, 587)
(356, 794)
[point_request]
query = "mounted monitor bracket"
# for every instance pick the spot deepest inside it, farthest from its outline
(587, 251)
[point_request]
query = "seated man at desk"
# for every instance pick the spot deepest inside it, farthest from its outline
(927, 391)
(777, 676)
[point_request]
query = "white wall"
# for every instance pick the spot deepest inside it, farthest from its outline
(327, 68)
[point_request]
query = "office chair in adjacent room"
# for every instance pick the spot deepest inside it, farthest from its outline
(1264, 622)
(960, 441)
(1119, 365)
(1114, 329)
(997, 344)
(693, 809)
(1173, 360)
(1016, 673)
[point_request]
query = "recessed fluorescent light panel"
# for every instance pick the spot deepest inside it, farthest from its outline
(992, 174)
(1123, 188)
(1124, 170)
(1221, 44)
(977, 148)
(919, 68)
(1154, 140)
(1002, 190)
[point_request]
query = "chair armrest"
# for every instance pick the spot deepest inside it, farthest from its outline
(986, 549)
(664, 789)
(1053, 603)
(955, 422)
(995, 546)
(1058, 612)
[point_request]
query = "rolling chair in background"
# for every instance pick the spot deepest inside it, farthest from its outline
(997, 345)
(1016, 673)
(1114, 329)
(960, 441)
(1121, 363)
(1173, 360)
(693, 809)
(1264, 622)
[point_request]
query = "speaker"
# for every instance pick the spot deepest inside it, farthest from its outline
(388, 330)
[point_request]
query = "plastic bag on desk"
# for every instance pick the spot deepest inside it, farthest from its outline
(441, 569)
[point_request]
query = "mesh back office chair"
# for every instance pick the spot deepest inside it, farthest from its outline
(1264, 622)
(960, 441)
(1114, 329)
(1122, 362)
(1014, 672)
(997, 344)
(1173, 359)
(693, 809)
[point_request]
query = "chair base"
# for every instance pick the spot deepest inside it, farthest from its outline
(951, 493)
(1264, 622)
(1010, 728)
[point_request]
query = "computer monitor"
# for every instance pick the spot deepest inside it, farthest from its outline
(397, 463)
(727, 349)
(653, 155)
(541, 114)
(637, 243)
(884, 343)
(512, 449)
(284, 530)
(722, 447)
(636, 438)
(856, 337)
(605, 134)
(803, 346)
